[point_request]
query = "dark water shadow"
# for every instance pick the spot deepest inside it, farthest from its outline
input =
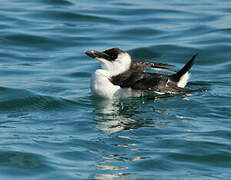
(21, 100)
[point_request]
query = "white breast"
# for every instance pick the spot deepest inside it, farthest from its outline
(101, 85)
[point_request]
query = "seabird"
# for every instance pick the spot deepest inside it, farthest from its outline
(120, 74)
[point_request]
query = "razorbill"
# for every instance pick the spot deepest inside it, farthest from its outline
(120, 74)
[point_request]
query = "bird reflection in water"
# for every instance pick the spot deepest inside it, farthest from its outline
(118, 115)
(130, 113)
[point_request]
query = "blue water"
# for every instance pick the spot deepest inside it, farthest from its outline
(51, 127)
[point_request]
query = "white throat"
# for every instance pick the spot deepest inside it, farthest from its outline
(118, 66)
(100, 81)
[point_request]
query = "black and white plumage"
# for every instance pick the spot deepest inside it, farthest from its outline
(142, 66)
(119, 75)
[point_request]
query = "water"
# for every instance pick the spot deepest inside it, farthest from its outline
(52, 127)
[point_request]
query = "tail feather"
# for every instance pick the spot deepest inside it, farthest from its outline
(183, 73)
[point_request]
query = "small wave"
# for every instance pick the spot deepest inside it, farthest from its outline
(22, 163)
(23, 100)
(58, 2)
(159, 51)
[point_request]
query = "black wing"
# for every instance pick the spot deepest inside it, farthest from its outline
(140, 80)
(148, 82)
(142, 66)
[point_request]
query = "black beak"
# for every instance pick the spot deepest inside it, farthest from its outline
(97, 54)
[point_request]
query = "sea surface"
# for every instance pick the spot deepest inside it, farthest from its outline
(52, 127)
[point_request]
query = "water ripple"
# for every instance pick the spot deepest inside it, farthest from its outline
(51, 125)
